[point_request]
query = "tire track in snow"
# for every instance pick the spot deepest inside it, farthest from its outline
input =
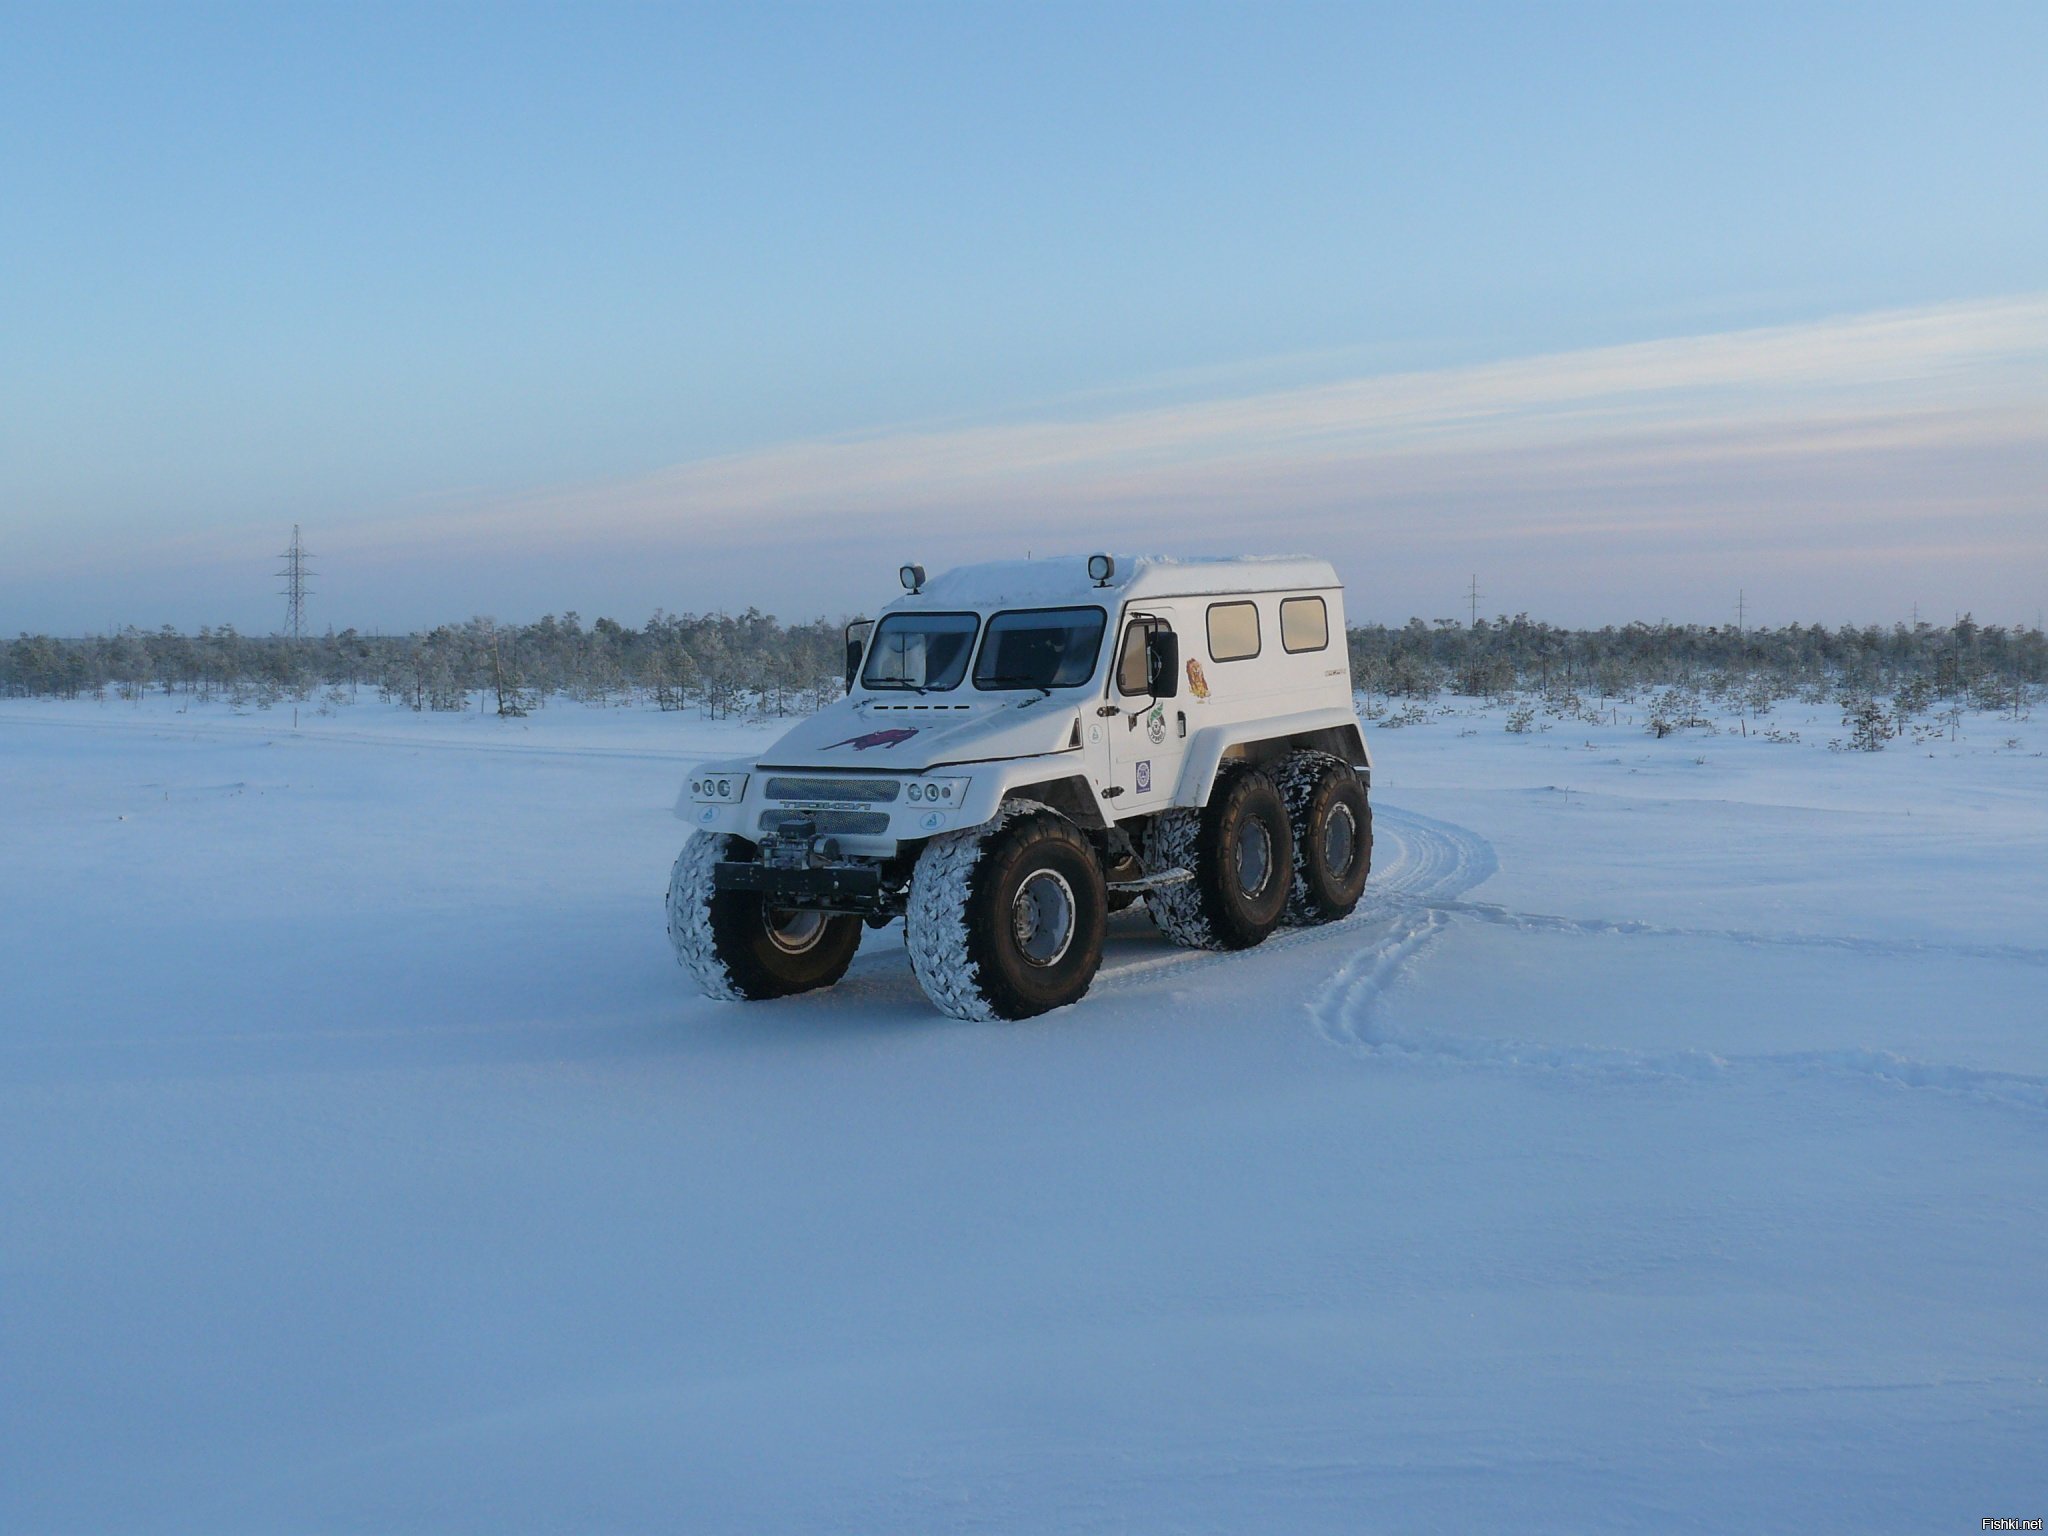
(1436, 862)
(1432, 861)
(1416, 859)
(1537, 922)
(1405, 909)
(1619, 1065)
(1422, 869)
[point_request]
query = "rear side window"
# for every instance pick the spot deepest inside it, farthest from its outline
(1130, 661)
(1133, 664)
(1304, 624)
(1233, 631)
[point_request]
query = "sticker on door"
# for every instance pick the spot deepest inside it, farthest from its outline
(1144, 775)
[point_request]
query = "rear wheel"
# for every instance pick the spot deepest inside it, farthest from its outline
(1240, 851)
(1006, 920)
(736, 945)
(1332, 822)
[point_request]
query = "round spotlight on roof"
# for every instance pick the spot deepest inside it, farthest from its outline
(912, 577)
(1100, 569)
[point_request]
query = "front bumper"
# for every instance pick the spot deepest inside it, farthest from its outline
(830, 887)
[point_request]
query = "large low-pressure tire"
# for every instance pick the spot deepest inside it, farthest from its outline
(1006, 920)
(1332, 822)
(735, 945)
(1241, 853)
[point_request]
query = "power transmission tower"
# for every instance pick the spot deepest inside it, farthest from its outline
(1741, 610)
(1473, 597)
(297, 567)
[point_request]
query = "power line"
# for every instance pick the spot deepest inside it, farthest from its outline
(297, 567)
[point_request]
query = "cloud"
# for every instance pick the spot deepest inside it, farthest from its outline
(1874, 460)
(1488, 445)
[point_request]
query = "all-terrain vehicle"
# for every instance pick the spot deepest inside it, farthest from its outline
(1023, 748)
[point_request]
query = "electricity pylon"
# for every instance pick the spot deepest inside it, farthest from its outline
(297, 567)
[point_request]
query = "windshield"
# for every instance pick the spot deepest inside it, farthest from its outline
(1040, 648)
(925, 651)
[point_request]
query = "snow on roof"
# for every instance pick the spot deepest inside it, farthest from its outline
(1064, 579)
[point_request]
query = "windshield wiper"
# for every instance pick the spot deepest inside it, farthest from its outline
(1015, 682)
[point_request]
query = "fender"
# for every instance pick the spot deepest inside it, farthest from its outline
(1063, 786)
(1334, 730)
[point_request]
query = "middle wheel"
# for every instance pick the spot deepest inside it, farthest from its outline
(1006, 921)
(1239, 850)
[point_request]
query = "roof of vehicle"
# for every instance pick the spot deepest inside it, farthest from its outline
(1063, 579)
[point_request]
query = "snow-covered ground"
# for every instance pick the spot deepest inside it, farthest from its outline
(1663, 1146)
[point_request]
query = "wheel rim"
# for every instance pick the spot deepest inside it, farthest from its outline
(1254, 856)
(1340, 840)
(792, 930)
(1042, 917)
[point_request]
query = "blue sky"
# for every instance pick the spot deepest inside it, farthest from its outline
(533, 308)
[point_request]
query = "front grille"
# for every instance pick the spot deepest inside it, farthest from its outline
(860, 791)
(830, 823)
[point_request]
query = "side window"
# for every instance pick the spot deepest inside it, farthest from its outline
(1233, 631)
(1304, 624)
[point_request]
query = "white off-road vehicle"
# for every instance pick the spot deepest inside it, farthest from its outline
(1023, 748)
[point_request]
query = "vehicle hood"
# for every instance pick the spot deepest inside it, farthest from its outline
(912, 734)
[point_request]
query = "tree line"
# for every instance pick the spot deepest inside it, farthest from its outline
(1501, 657)
(717, 662)
(753, 663)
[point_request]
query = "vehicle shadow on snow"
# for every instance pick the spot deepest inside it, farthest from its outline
(880, 994)
(1417, 859)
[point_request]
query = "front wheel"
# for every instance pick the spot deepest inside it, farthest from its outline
(1006, 920)
(741, 949)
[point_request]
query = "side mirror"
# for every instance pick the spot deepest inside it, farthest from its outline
(1162, 663)
(856, 644)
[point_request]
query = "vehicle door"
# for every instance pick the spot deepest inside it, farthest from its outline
(1148, 732)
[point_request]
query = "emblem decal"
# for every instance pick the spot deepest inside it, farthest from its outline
(1155, 724)
(887, 738)
(1144, 775)
(1196, 680)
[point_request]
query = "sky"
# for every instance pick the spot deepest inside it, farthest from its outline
(1621, 310)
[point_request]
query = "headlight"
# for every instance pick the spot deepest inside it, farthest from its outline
(718, 788)
(946, 794)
